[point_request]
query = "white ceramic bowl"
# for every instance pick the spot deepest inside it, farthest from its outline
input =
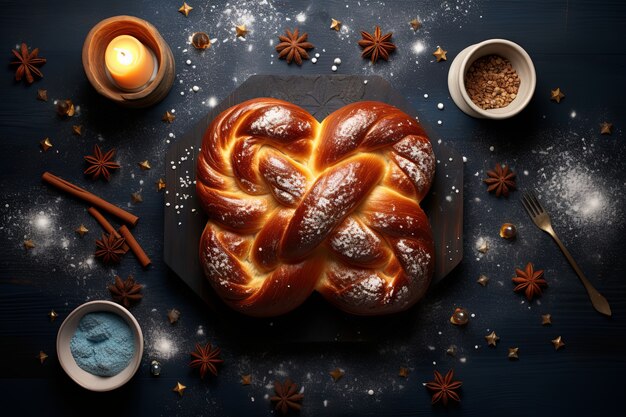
(84, 378)
(519, 59)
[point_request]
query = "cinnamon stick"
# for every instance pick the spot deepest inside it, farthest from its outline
(108, 227)
(85, 195)
(135, 247)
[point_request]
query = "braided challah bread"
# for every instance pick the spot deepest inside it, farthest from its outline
(297, 206)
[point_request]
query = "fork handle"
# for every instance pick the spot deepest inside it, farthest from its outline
(597, 300)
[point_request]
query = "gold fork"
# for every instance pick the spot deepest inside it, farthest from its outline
(541, 218)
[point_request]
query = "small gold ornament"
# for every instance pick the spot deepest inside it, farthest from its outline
(546, 319)
(200, 40)
(42, 95)
(483, 246)
(492, 339)
(52, 315)
(179, 388)
(558, 343)
(160, 184)
(335, 24)
(403, 372)
(29, 244)
(77, 130)
(513, 353)
(440, 54)
(460, 317)
(42, 356)
(246, 379)
(415, 24)
(173, 315)
(241, 31)
(168, 117)
(81, 230)
(185, 9)
(606, 128)
(483, 280)
(336, 374)
(144, 165)
(508, 231)
(557, 95)
(46, 144)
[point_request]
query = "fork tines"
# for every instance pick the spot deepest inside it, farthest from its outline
(532, 204)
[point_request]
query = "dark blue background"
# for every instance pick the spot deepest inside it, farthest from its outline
(575, 45)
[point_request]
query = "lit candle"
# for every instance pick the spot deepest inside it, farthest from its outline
(129, 62)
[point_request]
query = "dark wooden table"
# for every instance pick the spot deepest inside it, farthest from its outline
(555, 148)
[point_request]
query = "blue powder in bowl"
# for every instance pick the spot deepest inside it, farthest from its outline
(103, 344)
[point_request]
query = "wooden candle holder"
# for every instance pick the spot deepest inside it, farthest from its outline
(96, 44)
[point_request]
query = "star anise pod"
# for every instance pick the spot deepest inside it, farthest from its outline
(287, 396)
(444, 388)
(125, 292)
(377, 45)
(501, 180)
(27, 63)
(206, 358)
(529, 281)
(110, 248)
(293, 46)
(100, 164)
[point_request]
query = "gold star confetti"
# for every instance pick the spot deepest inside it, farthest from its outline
(606, 128)
(29, 244)
(440, 54)
(246, 379)
(179, 388)
(185, 9)
(451, 351)
(492, 339)
(557, 95)
(42, 95)
(173, 315)
(52, 315)
(483, 280)
(336, 374)
(160, 184)
(81, 230)
(77, 130)
(403, 372)
(144, 165)
(168, 117)
(136, 197)
(483, 247)
(241, 31)
(415, 24)
(513, 353)
(42, 356)
(65, 108)
(335, 24)
(45, 144)
(558, 343)
(546, 319)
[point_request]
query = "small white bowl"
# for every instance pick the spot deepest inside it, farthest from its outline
(519, 59)
(82, 377)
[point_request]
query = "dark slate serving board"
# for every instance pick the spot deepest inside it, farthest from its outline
(316, 320)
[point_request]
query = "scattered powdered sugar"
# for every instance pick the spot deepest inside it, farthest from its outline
(320, 217)
(576, 188)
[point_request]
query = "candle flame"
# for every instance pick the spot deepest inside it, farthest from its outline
(124, 57)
